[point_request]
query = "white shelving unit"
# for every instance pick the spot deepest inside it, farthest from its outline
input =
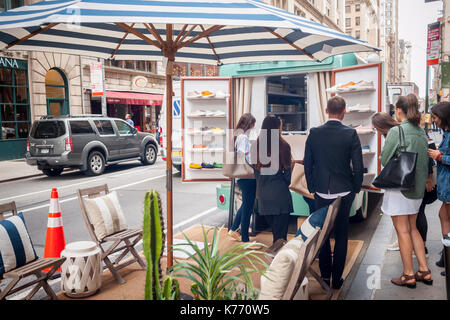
(201, 145)
(364, 96)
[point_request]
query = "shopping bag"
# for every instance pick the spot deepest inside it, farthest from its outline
(400, 171)
(235, 166)
(298, 181)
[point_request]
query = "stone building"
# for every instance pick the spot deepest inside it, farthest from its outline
(404, 71)
(362, 21)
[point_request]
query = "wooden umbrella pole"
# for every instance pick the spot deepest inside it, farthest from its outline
(170, 55)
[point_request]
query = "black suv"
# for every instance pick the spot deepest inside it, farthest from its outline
(86, 142)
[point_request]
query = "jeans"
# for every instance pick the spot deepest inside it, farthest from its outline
(248, 188)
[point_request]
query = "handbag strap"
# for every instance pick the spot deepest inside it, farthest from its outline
(402, 139)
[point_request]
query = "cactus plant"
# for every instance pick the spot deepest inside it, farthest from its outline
(153, 237)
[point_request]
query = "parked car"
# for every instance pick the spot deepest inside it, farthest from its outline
(87, 142)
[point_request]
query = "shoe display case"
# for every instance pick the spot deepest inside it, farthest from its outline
(205, 120)
(361, 87)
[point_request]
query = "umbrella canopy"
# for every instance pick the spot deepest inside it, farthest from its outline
(199, 31)
(209, 32)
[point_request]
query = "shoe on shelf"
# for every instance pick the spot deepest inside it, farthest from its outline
(217, 165)
(218, 131)
(393, 246)
(195, 166)
(194, 94)
(235, 235)
(198, 146)
(207, 166)
(198, 113)
(208, 94)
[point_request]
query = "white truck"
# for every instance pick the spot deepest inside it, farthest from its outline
(176, 127)
(394, 90)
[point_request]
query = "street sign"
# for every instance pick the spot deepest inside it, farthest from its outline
(433, 43)
(96, 79)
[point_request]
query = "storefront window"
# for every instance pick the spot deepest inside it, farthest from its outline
(180, 69)
(14, 107)
(211, 71)
(138, 65)
(196, 70)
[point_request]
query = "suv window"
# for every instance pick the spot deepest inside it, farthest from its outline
(104, 127)
(48, 129)
(81, 127)
(123, 127)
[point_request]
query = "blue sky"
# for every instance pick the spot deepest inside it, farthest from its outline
(414, 16)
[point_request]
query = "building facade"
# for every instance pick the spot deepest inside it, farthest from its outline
(389, 42)
(404, 70)
(327, 12)
(362, 21)
(445, 51)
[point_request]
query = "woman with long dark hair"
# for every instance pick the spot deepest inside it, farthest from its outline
(403, 206)
(440, 114)
(273, 175)
(248, 186)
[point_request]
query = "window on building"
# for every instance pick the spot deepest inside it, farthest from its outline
(349, 32)
(14, 104)
(357, 34)
(357, 21)
(328, 12)
(348, 22)
(10, 4)
(357, 7)
(56, 91)
(347, 9)
(146, 66)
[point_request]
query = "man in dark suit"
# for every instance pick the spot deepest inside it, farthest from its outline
(334, 167)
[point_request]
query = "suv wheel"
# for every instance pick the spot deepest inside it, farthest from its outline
(52, 172)
(95, 164)
(150, 154)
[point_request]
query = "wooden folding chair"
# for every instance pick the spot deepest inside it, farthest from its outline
(323, 235)
(32, 268)
(302, 265)
(125, 236)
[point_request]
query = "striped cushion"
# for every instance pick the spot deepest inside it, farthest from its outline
(106, 215)
(16, 248)
(316, 219)
(276, 279)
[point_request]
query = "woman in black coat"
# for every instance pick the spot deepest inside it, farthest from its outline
(273, 176)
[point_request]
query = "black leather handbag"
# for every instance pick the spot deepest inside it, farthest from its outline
(399, 173)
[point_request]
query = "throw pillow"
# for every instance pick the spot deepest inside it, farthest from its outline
(316, 219)
(16, 248)
(106, 215)
(276, 279)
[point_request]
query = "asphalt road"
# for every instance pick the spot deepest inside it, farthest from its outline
(194, 203)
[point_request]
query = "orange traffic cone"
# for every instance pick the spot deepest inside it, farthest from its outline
(54, 240)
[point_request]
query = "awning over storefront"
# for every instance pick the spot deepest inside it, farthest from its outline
(120, 97)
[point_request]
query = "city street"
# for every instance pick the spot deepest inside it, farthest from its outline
(194, 202)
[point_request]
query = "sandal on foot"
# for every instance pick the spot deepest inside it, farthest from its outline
(403, 281)
(420, 276)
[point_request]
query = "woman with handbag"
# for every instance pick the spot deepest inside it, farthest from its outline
(403, 205)
(383, 122)
(248, 186)
(440, 114)
(273, 176)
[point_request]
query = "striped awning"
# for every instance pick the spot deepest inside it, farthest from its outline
(238, 31)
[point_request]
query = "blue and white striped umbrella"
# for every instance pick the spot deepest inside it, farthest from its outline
(237, 31)
(199, 31)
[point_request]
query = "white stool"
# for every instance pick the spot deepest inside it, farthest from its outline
(81, 272)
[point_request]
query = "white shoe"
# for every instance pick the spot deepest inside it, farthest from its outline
(393, 246)
(235, 235)
(198, 113)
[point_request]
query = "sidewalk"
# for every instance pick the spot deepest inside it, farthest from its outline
(379, 266)
(11, 170)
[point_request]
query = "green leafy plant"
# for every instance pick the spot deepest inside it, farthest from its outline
(220, 276)
(153, 239)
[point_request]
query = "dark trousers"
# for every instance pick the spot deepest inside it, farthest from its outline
(279, 224)
(248, 188)
(328, 266)
(421, 222)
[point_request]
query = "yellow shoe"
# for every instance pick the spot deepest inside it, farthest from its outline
(195, 166)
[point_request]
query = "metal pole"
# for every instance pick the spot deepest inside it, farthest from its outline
(231, 207)
(104, 108)
(447, 263)
(426, 94)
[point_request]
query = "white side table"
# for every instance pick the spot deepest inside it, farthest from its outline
(81, 272)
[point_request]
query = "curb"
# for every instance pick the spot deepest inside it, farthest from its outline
(22, 177)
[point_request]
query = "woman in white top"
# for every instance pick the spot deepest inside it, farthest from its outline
(248, 186)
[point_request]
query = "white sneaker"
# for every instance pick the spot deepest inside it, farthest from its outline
(393, 246)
